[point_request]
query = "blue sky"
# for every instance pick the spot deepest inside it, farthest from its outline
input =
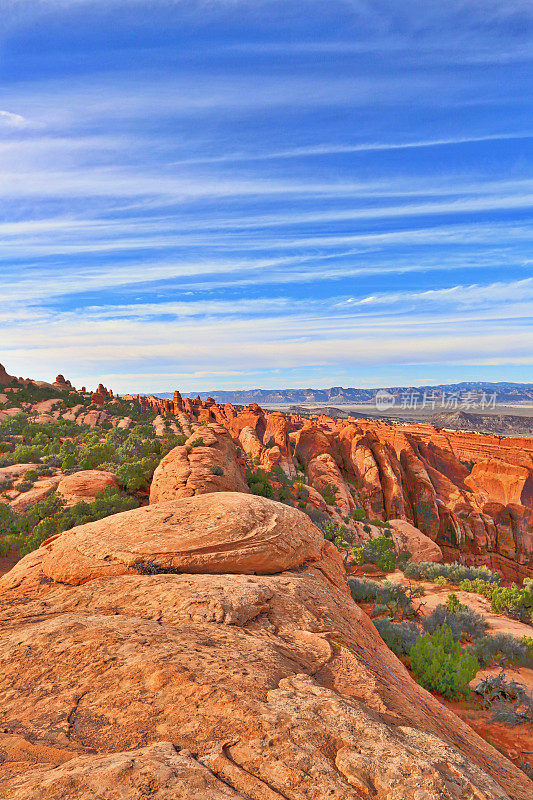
(230, 194)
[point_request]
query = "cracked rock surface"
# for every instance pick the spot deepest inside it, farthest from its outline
(224, 681)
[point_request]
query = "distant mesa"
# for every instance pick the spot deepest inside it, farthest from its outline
(505, 392)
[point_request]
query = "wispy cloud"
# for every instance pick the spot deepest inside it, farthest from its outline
(10, 120)
(304, 190)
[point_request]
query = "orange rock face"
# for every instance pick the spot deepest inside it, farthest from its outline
(214, 533)
(207, 462)
(213, 686)
(85, 485)
(501, 482)
(422, 475)
(407, 537)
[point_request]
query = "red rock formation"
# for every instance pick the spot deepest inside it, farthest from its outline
(501, 482)
(276, 435)
(250, 417)
(224, 682)
(63, 384)
(195, 467)
(85, 485)
(5, 379)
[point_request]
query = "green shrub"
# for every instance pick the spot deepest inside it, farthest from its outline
(10, 542)
(358, 514)
(42, 531)
(215, 470)
(478, 586)
(391, 598)
(400, 637)
(199, 442)
(503, 597)
(259, 483)
(69, 462)
(514, 601)
(380, 551)
(24, 486)
(440, 665)
(378, 523)
(440, 580)
(333, 531)
(31, 476)
(452, 603)
(527, 641)
(261, 489)
(362, 590)
(24, 453)
(502, 649)
(454, 573)
(131, 476)
(329, 493)
(42, 469)
(463, 622)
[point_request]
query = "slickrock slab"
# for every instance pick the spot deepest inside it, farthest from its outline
(215, 686)
(213, 533)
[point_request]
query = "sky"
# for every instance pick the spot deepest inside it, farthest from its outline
(230, 194)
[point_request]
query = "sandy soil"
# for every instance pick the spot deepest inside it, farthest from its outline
(515, 742)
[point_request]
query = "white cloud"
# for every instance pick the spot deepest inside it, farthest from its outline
(10, 120)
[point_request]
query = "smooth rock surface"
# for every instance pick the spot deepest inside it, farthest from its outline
(213, 686)
(85, 485)
(213, 533)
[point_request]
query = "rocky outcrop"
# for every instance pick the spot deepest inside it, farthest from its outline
(39, 491)
(92, 418)
(5, 379)
(501, 482)
(85, 485)
(227, 532)
(62, 384)
(276, 437)
(325, 476)
(407, 537)
(245, 686)
(207, 462)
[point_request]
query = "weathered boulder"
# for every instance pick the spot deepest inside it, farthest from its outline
(85, 485)
(211, 533)
(407, 537)
(207, 462)
(92, 418)
(39, 491)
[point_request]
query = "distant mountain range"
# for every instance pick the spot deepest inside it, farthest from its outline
(504, 392)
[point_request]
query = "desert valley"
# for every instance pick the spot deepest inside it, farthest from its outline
(215, 601)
